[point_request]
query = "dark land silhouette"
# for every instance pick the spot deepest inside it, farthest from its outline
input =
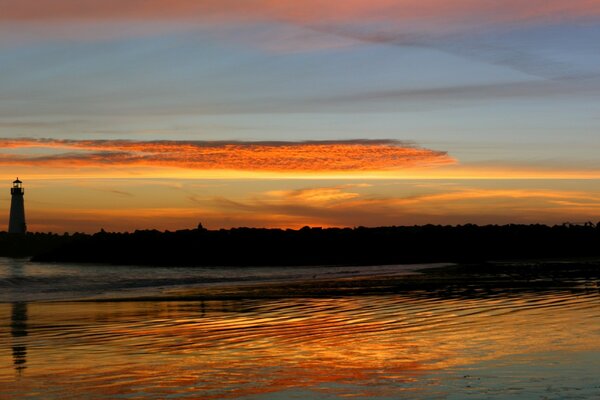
(311, 246)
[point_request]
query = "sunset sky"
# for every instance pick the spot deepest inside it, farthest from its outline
(133, 114)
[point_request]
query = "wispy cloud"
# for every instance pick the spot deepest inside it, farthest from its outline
(466, 42)
(439, 96)
(343, 206)
(308, 156)
(325, 196)
(451, 27)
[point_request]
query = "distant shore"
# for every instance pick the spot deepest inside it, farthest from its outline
(310, 246)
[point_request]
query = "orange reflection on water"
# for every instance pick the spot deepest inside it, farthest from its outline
(362, 346)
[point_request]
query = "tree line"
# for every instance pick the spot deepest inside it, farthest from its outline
(310, 246)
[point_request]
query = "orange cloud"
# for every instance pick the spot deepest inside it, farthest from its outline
(324, 195)
(306, 11)
(312, 156)
(340, 206)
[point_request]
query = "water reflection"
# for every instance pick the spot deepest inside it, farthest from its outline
(18, 331)
(388, 346)
(18, 321)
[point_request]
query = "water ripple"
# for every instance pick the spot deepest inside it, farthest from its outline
(498, 345)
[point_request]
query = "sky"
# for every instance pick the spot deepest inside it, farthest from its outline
(140, 114)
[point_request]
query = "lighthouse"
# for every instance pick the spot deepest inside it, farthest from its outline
(16, 223)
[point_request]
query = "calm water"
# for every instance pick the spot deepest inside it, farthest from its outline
(519, 346)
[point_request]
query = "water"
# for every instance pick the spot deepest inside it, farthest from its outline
(416, 346)
(21, 280)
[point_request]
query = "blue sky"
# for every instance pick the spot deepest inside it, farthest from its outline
(514, 87)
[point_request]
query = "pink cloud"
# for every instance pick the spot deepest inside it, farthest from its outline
(307, 11)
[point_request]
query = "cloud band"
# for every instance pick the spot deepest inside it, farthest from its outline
(307, 156)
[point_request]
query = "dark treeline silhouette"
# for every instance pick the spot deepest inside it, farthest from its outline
(313, 246)
(30, 244)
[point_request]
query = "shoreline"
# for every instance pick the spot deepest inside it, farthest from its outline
(450, 279)
(110, 283)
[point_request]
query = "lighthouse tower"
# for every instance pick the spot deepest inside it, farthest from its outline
(16, 223)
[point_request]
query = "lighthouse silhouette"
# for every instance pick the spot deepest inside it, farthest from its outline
(16, 223)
